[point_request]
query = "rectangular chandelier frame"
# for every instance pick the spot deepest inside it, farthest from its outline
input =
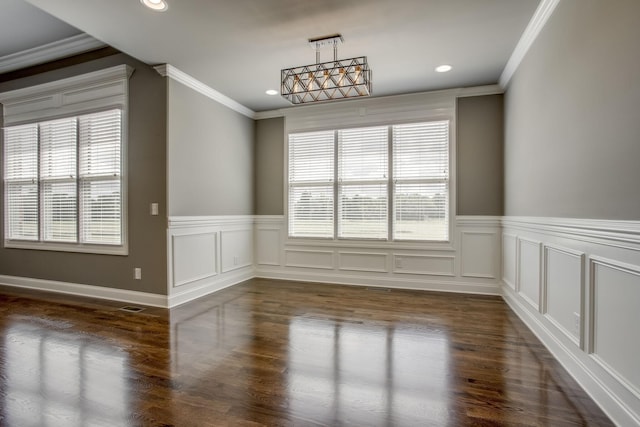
(325, 81)
(337, 79)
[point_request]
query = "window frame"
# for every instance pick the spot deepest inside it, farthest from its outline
(76, 96)
(390, 241)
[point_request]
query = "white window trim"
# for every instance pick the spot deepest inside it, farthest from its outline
(85, 93)
(383, 111)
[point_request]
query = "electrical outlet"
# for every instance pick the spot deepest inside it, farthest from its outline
(154, 209)
(398, 262)
(576, 323)
(137, 273)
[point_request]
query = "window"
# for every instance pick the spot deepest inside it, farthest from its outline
(382, 182)
(63, 180)
(63, 145)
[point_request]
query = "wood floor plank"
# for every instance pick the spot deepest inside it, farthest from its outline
(281, 353)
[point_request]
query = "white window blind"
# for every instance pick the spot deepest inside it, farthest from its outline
(368, 183)
(363, 183)
(421, 181)
(311, 178)
(58, 173)
(63, 180)
(21, 182)
(100, 177)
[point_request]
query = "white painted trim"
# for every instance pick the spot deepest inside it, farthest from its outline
(207, 221)
(466, 92)
(49, 52)
(91, 291)
(538, 21)
(478, 221)
(617, 233)
(224, 281)
(410, 283)
(167, 70)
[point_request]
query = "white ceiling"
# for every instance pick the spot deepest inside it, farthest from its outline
(238, 47)
(23, 27)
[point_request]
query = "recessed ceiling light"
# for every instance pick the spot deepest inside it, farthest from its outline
(271, 92)
(157, 5)
(443, 68)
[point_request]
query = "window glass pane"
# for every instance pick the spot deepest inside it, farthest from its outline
(100, 136)
(59, 210)
(363, 211)
(311, 211)
(421, 212)
(21, 185)
(21, 152)
(101, 207)
(311, 157)
(100, 171)
(363, 154)
(421, 150)
(311, 172)
(22, 211)
(58, 141)
(421, 173)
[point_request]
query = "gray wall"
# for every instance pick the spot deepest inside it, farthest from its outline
(479, 151)
(146, 184)
(572, 121)
(479, 154)
(210, 156)
(269, 166)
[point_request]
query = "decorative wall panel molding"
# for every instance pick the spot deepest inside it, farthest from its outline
(528, 277)
(589, 307)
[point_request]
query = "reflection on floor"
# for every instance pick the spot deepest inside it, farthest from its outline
(280, 353)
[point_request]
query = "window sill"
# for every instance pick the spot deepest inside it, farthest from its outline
(68, 247)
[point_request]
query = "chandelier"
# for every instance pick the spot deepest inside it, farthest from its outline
(324, 81)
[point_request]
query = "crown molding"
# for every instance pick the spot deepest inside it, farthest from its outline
(167, 70)
(538, 21)
(49, 52)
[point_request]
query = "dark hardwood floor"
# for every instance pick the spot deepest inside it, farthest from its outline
(276, 353)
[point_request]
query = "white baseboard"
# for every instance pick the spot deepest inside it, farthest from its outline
(216, 284)
(394, 282)
(100, 292)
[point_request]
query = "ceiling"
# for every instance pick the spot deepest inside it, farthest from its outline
(239, 47)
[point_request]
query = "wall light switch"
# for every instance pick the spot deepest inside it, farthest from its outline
(154, 209)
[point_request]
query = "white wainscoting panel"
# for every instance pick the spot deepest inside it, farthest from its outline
(480, 254)
(308, 258)
(590, 268)
(268, 246)
(362, 261)
(206, 254)
(433, 265)
(562, 290)
(410, 265)
(528, 282)
(236, 249)
(615, 300)
(194, 257)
